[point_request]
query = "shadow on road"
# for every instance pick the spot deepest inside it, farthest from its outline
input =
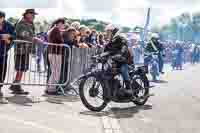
(160, 81)
(118, 113)
(20, 100)
(96, 114)
(128, 112)
(28, 101)
(62, 99)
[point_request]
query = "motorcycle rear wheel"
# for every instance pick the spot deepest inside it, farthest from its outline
(143, 81)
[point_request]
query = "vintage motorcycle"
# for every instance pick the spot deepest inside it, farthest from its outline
(104, 83)
(152, 63)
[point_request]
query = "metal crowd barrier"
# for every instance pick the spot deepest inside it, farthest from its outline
(23, 58)
(35, 61)
(81, 61)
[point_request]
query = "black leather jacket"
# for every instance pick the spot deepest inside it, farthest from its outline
(118, 47)
(159, 46)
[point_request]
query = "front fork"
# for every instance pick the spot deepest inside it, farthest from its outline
(107, 96)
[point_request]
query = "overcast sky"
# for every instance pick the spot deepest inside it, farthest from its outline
(125, 12)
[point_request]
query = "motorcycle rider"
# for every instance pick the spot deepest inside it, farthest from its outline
(118, 47)
(155, 46)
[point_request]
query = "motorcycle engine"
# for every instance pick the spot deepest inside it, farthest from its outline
(117, 84)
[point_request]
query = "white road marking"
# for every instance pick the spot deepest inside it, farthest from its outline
(108, 131)
(106, 122)
(115, 124)
(146, 120)
(111, 124)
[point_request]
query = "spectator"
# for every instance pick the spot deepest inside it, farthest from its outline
(55, 55)
(174, 53)
(93, 38)
(195, 55)
(198, 55)
(76, 25)
(24, 31)
(69, 38)
(192, 53)
(83, 33)
(83, 36)
(48, 62)
(87, 37)
(6, 35)
(137, 50)
(106, 38)
(41, 51)
(101, 41)
(179, 57)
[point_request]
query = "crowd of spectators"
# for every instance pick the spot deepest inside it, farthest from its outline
(49, 46)
(179, 53)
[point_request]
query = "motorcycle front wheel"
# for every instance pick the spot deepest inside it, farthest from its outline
(91, 94)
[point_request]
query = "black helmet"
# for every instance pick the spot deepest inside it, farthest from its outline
(2, 14)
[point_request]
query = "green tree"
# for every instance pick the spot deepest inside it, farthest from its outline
(196, 21)
(12, 20)
(173, 25)
(126, 29)
(155, 29)
(99, 27)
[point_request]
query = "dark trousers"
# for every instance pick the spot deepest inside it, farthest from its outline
(64, 67)
(48, 69)
(161, 62)
(3, 69)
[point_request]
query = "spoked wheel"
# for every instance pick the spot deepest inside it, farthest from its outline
(142, 89)
(91, 93)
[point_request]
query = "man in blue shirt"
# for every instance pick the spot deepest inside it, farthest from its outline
(41, 51)
(7, 34)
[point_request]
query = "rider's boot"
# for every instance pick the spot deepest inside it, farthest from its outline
(128, 90)
(2, 99)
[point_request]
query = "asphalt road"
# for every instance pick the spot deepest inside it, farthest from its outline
(175, 108)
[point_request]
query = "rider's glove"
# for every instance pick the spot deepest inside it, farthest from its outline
(119, 58)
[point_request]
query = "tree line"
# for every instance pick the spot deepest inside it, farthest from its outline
(91, 23)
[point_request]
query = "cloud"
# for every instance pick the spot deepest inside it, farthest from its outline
(99, 5)
(28, 3)
(125, 12)
(72, 8)
(174, 3)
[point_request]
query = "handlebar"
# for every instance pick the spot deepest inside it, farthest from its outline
(100, 56)
(152, 53)
(105, 54)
